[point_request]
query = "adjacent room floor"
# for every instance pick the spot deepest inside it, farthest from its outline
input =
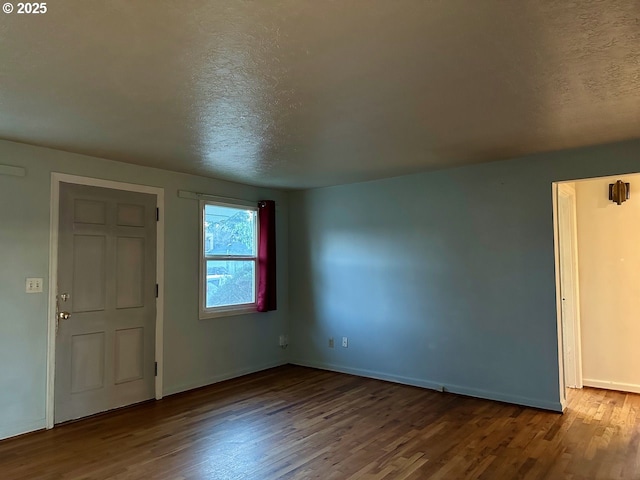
(295, 422)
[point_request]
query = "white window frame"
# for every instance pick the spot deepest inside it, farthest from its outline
(227, 310)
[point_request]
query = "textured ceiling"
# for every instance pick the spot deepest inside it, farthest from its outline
(304, 93)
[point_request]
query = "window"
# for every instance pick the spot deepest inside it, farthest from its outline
(228, 263)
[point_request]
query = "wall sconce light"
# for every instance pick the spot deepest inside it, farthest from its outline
(619, 192)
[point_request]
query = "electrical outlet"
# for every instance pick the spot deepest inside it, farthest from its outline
(34, 285)
(345, 342)
(283, 340)
(330, 342)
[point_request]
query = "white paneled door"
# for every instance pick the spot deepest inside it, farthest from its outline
(105, 339)
(569, 285)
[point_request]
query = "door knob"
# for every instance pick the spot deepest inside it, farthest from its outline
(63, 315)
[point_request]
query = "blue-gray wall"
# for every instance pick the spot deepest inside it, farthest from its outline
(438, 279)
(195, 352)
(441, 279)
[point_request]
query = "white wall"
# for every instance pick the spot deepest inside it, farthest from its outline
(196, 352)
(439, 279)
(609, 253)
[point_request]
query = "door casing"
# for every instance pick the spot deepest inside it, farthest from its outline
(556, 253)
(576, 366)
(569, 284)
(56, 178)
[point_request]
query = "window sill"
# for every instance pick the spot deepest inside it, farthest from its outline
(228, 312)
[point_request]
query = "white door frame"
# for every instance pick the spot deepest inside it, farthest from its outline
(556, 253)
(56, 178)
(568, 251)
(567, 334)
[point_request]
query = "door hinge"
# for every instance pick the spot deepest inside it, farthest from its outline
(157, 290)
(157, 214)
(156, 369)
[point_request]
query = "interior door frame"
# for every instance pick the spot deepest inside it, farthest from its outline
(56, 179)
(573, 330)
(569, 252)
(556, 254)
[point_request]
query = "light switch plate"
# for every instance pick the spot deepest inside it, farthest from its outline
(34, 285)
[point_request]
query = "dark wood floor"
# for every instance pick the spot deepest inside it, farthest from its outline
(294, 422)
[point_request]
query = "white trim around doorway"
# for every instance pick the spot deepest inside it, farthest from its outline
(56, 179)
(568, 256)
(556, 253)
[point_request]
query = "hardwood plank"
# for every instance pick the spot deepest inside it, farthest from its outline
(300, 423)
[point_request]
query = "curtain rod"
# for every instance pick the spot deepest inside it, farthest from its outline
(199, 195)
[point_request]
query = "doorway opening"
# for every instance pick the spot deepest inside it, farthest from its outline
(597, 284)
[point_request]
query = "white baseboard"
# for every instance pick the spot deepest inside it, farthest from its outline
(12, 430)
(623, 387)
(172, 390)
(15, 429)
(432, 385)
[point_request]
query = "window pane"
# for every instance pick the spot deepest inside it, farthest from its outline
(229, 231)
(230, 283)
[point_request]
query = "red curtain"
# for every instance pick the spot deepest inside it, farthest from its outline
(267, 256)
